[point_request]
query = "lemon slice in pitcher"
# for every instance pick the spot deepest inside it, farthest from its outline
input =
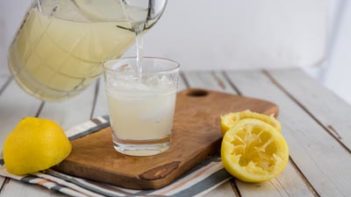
(254, 151)
(230, 119)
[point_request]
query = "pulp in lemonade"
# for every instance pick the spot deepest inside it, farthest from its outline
(141, 111)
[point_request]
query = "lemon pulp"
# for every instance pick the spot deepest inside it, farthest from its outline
(230, 119)
(254, 151)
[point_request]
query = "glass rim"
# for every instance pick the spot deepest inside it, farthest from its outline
(168, 70)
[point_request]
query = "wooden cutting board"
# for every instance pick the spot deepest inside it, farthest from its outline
(196, 134)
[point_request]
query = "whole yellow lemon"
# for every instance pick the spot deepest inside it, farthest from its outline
(35, 144)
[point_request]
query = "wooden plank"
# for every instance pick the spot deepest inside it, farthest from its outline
(207, 81)
(67, 113)
(324, 163)
(224, 190)
(101, 99)
(15, 188)
(325, 106)
(71, 112)
(181, 82)
(3, 79)
(3, 69)
(288, 183)
(3, 82)
(14, 105)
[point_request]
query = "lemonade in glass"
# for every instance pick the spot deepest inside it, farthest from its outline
(141, 109)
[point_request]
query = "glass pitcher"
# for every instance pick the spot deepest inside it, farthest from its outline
(61, 45)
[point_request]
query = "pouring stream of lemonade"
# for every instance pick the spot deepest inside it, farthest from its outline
(61, 45)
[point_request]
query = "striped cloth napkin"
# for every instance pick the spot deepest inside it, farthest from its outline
(198, 181)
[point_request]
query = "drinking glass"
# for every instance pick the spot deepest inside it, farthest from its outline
(61, 45)
(141, 108)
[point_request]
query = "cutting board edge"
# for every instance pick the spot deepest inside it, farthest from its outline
(197, 158)
(134, 182)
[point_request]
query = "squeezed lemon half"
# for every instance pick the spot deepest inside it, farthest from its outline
(35, 144)
(254, 151)
(230, 119)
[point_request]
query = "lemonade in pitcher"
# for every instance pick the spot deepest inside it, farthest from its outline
(61, 45)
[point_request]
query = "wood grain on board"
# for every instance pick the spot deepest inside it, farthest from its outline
(320, 160)
(196, 135)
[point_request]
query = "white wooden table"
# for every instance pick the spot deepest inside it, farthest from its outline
(316, 124)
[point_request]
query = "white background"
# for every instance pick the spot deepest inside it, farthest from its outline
(236, 34)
